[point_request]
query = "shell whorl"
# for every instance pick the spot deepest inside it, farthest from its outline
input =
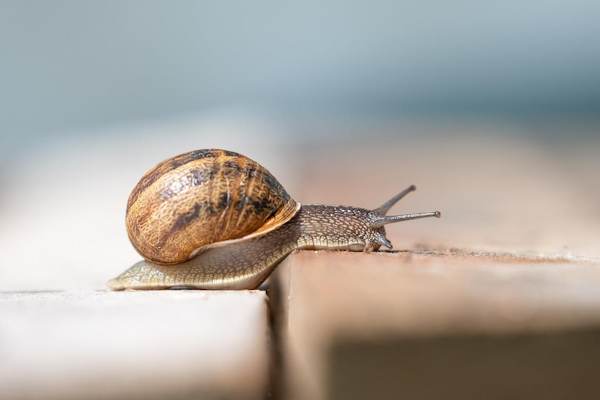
(200, 199)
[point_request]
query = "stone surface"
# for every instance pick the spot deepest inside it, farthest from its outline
(433, 325)
(124, 345)
(515, 257)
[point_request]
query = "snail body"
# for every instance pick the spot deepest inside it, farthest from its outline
(215, 219)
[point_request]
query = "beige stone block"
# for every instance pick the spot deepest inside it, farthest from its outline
(128, 345)
(432, 325)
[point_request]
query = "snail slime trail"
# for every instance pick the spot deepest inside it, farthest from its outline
(215, 219)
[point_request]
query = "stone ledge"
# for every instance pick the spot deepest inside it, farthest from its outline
(395, 323)
(176, 344)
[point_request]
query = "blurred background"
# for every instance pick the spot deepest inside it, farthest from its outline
(492, 109)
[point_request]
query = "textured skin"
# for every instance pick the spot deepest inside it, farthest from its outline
(247, 263)
(200, 198)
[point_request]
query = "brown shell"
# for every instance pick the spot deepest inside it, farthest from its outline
(200, 199)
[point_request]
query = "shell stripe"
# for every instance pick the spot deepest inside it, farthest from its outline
(221, 202)
(151, 176)
(198, 172)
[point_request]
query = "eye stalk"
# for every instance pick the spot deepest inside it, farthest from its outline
(379, 214)
(385, 207)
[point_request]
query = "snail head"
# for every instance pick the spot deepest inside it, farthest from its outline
(378, 218)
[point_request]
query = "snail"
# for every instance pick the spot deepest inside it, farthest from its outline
(215, 219)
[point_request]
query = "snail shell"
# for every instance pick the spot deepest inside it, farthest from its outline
(203, 199)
